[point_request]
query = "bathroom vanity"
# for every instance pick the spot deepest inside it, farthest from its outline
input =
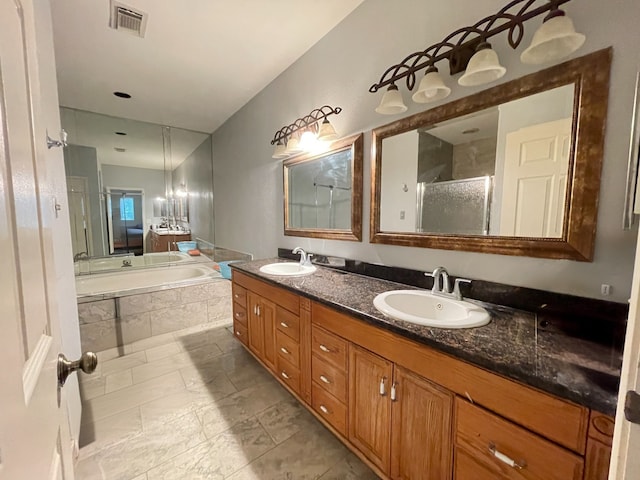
(413, 402)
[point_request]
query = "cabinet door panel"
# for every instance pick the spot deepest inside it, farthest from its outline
(369, 408)
(267, 313)
(421, 429)
(256, 327)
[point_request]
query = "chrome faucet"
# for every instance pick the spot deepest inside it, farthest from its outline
(441, 284)
(305, 258)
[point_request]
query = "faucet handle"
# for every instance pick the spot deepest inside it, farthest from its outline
(436, 280)
(456, 287)
(307, 262)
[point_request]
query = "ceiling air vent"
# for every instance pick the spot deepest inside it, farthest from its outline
(127, 19)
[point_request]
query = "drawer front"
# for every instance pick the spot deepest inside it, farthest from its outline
(239, 295)
(288, 374)
(329, 378)
(493, 443)
(239, 314)
(288, 349)
(288, 323)
(330, 348)
(240, 332)
(329, 408)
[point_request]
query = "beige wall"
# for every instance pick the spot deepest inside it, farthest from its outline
(339, 70)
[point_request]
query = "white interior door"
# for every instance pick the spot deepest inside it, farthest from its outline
(34, 429)
(535, 180)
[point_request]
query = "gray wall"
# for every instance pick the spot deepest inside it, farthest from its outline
(80, 161)
(339, 70)
(196, 172)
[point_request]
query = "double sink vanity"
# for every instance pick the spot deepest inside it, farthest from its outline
(426, 398)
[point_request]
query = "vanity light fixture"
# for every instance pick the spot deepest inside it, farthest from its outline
(305, 133)
(467, 50)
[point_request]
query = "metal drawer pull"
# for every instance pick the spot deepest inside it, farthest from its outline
(284, 350)
(324, 349)
(237, 295)
(505, 459)
(258, 307)
(255, 309)
(383, 387)
(393, 391)
(284, 374)
(284, 325)
(325, 379)
(324, 409)
(238, 333)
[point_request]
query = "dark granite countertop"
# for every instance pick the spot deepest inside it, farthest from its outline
(512, 344)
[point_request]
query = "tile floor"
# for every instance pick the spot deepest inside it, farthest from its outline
(195, 405)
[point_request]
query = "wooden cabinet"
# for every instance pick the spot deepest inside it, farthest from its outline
(409, 411)
(165, 243)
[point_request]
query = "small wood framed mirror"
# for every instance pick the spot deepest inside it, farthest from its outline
(323, 192)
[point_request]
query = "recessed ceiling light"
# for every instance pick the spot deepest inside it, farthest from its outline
(120, 149)
(120, 133)
(122, 94)
(470, 130)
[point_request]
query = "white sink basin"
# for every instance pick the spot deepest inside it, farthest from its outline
(291, 269)
(424, 308)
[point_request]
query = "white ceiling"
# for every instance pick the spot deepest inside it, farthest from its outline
(199, 62)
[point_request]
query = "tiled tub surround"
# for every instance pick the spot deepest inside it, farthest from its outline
(558, 357)
(106, 323)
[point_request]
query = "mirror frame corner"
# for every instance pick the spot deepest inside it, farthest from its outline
(356, 144)
(590, 74)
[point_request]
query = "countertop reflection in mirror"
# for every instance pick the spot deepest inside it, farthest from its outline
(127, 179)
(323, 192)
(512, 170)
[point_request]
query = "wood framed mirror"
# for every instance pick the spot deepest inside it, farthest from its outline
(323, 192)
(512, 170)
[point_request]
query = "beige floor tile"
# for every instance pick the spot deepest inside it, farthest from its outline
(349, 468)
(219, 457)
(92, 387)
(284, 419)
(147, 371)
(162, 351)
(133, 396)
(108, 431)
(147, 343)
(118, 380)
(123, 363)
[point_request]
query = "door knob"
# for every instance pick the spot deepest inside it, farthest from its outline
(87, 363)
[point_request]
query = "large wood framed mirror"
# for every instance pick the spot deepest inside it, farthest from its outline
(323, 192)
(512, 170)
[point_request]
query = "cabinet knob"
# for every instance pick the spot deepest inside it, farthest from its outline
(238, 333)
(284, 375)
(324, 409)
(284, 325)
(325, 379)
(284, 350)
(383, 386)
(324, 349)
(393, 391)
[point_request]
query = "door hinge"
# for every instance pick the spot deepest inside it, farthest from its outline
(632, 407)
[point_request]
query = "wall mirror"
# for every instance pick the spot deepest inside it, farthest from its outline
(512, 170)
(127, 179)
(323, 192)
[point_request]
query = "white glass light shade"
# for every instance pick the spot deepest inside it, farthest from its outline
(293, 146)
(279, 151)
(555, 39)
(326, 131)
(307, 141)
(484, 67)
(431, 88)
(391, 102)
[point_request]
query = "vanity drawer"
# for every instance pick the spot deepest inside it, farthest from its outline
(490, 442)
(240, 332)
(329, 408)
(239, 295)
(330, 348)
(329, 378)
(240, 314)
(288, 349)
(288, 323)
(288, 374)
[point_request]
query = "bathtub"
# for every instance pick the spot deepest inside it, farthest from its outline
(128, 281)
(92, 265)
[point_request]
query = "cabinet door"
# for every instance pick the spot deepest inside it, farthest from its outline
(369, 405)
(267, 314)
(256, 327)
(421, 429)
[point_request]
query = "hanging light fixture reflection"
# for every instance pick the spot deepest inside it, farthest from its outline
(391, 102)
(555, 39)
(484, 67)
(431, 87)
(293, 145)
(326, 131)
(279, 151)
